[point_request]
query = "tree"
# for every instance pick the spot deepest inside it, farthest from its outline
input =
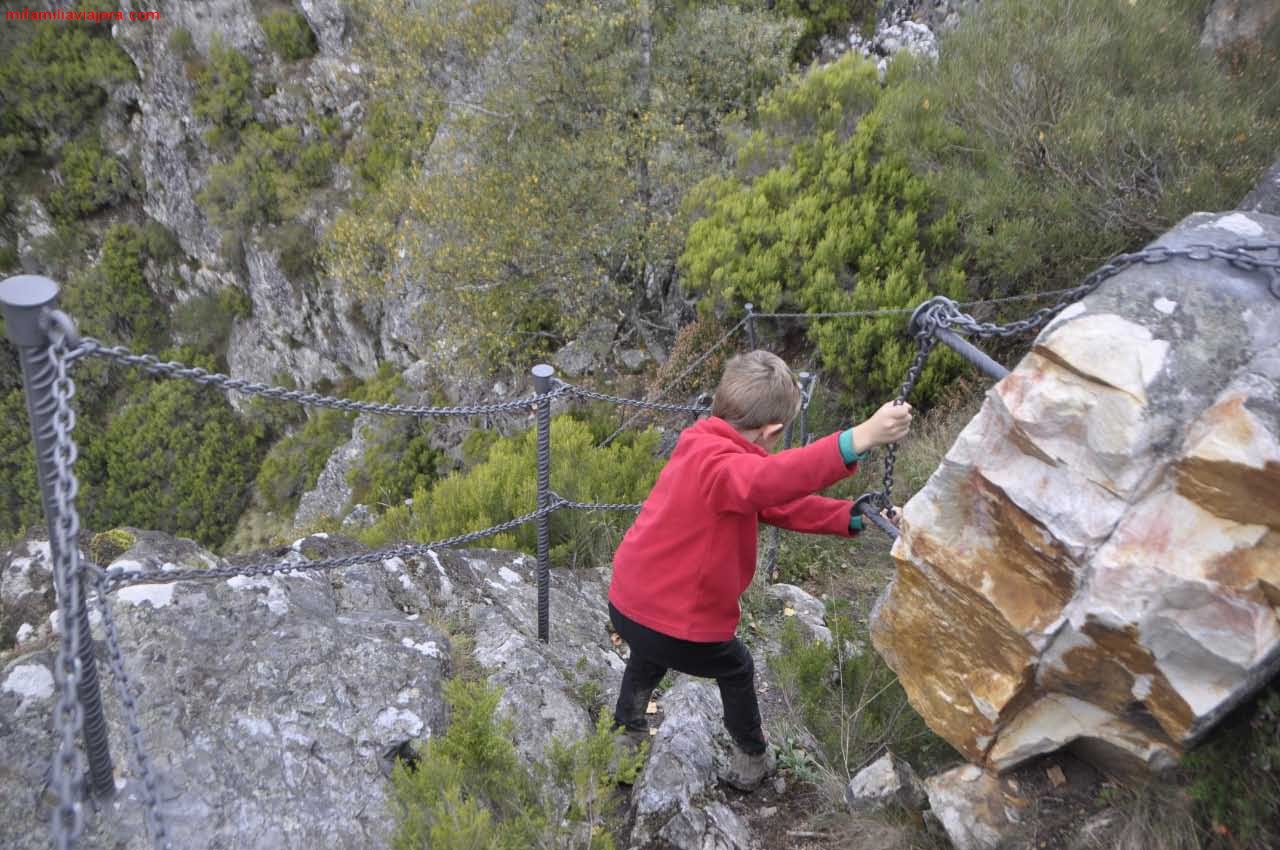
(820, 217)
(560, 176)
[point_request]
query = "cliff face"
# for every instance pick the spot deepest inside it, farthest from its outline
(1097, 560)
(306, 329)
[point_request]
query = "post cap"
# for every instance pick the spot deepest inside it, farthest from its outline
(22, 297)
(543, 370)
(749, 306)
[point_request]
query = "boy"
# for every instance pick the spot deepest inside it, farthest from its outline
(691, 553)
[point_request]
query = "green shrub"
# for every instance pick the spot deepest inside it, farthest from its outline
(223, 93)
(92, 180)
(825, 17)
(204, 321)
(294, 464)
(296, 248)
(390, 137)
(56, 78)
(850, 700)
(468, 788)
(1235, 777)
(175, 458)
(398, 461)
(1068, 130)
(266, 181)
(822, 216)
(503, 486)
(20, 497)
(113, 300)
(288, 34)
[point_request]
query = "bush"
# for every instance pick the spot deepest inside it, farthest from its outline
(825, 17)
(204, 321)
(91, 180)
(468, 789)
(1065, 132)
(56, 78)
(181, 44)
(113, 300)
(175, 458)
(288, 34)
(20, 499)
(294, 464)
(503, 486)
(397, 462)
(822, 216)
(223, 93)
(266, 181)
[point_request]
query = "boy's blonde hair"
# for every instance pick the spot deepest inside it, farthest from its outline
(756, 389)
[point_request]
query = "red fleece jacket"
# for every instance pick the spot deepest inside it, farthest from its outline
(692, 550)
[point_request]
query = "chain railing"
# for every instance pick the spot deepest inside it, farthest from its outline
(47, 345)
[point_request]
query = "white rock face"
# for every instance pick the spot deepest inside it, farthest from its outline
(1097, 559)
(886, 781)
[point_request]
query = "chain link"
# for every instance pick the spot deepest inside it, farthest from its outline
(583, 392)
(90, 347)
(117, 577)
(68, 767)
(150, 787)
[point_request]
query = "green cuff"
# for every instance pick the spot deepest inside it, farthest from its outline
(847, 450)
(855, 522)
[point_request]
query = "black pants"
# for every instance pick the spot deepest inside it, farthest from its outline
(728, 662)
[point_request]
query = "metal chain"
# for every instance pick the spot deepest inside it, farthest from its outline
(150, 793)
(925, 340)
(942, 312)
(117, 577)
(1238, 256)
(903, 311)
(90, 347)
(68, 768)
(583, 392)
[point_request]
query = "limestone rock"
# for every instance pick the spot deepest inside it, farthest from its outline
(1265, 197)
(807, 609)
(715, 827)
(588, 352)
(26, 592)
(332, 493)
(975, 808)
(681, 764)
(267, 705)
(1097, 559)
(886, 781)
(328, 20)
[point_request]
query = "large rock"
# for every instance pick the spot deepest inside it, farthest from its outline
(1097, 559)
(273, 707)
(267, 706)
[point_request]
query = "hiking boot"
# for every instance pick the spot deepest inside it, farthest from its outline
(746, 771)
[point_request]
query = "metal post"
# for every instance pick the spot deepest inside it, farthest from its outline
(542, 384)
(23, 299)
(971, 353)
(806, 393)
(751, 324)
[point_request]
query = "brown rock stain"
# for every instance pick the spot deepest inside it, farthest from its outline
(950, 647)
(1257, 567)
(1028, 574)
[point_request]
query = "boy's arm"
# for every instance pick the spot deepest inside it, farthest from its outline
(738, 482)
(815, 515)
